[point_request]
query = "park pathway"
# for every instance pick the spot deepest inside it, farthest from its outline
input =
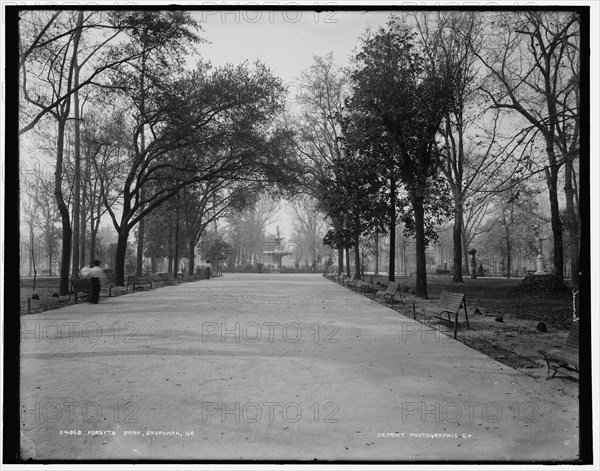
(271, 367)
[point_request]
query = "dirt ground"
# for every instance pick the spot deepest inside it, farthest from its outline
(515, 340)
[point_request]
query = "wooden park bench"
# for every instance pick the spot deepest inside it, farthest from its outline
(365, 286)
(349, 282)
(80, 288)
(160, 279)
(155, 279)
(165, 278)
(338, 278)
(199, 274)
(389, 294)
(138, 281)
(370, 287)
(450, 303)
(566, 359)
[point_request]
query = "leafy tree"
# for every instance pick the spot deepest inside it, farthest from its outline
(356, 193)
(405, 96)
(206, 125)
(160, 41)
(56, 62)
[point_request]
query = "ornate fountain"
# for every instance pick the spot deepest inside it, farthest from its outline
(276, 254)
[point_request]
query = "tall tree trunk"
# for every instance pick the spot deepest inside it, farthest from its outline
(421, 287)
(31, 249)
(85, 208)
(67, 232)
(94, 226)
(176, 257)
(93, 232)
(142, 226)
(49, 244)
(572, 225)
(340, 260)
(552, 182)
(139, 265)
(64, 212)
(376, 252)
(192, 257)
(50, 272)
(465, 248)
(170, 251)
(154, 262)
(356, 258)
(508, 252)
(392, 265)
(83, 236)
(457, 242)
(347, 251)
(77, 177)
(120, 255)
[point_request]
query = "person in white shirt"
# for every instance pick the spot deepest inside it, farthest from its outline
(96, 275)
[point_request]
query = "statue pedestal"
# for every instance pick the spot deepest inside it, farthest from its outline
(539, 265)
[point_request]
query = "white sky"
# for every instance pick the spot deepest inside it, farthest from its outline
(284, 40)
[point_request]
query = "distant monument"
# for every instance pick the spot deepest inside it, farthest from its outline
(276, 255)
(539, 260)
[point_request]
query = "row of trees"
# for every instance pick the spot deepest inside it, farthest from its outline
(448, 115)
(456, 115)
(147, 140)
